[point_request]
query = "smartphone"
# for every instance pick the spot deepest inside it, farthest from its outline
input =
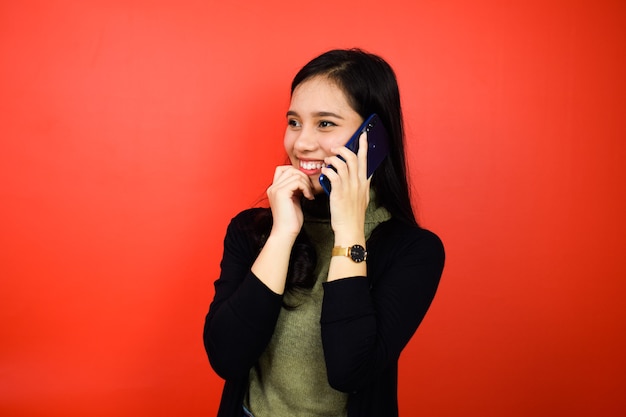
(377, 147)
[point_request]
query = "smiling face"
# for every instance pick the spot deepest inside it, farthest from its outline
(319, 119)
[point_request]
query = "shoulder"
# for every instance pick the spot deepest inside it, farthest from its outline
(248, 229)
(407, 254)
(395, 244)
(394, 234)
(250, 217)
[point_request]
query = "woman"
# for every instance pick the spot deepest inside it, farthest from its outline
(299, 325)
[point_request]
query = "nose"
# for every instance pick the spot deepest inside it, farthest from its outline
(306, 141)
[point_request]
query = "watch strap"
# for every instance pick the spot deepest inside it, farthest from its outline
(341, 251)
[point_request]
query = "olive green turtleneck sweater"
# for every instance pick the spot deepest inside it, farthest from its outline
(290, 376)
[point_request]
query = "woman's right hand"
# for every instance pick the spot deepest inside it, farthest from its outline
(284, 195)
(272, 264)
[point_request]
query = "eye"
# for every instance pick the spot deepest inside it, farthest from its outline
(326, 123)
(293, 123)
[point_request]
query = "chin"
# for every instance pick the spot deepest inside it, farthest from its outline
(317, 188)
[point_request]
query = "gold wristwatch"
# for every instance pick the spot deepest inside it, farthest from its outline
(355, 252)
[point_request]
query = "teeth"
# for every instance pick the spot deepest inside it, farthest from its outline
(311, 165)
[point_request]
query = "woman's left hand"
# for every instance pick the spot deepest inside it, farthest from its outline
(350, 192)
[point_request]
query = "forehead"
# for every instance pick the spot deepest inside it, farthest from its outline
(319, 93)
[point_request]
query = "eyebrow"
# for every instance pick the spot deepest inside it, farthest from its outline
(318, 114)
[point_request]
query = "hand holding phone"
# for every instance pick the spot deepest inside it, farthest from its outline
(377, 147)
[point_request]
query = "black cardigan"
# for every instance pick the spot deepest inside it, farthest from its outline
(366, 322)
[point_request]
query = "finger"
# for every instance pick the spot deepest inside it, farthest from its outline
(286, 172)
(362, 155)
(349, 166)
(280, 171)
(330, 171)
(338, 163)
(291, 180)
(305, 186)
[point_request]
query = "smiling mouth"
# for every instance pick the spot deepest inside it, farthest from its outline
(311, 165)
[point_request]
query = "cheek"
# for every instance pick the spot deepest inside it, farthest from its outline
(334, 142)
(288, 142)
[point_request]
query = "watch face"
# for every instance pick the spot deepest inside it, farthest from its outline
(358, 253)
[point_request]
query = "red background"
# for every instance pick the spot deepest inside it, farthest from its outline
(131, 132)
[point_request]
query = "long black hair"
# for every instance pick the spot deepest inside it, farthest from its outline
(370, 86)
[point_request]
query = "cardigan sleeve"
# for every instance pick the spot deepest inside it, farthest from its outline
(242, 315)
(366, 322)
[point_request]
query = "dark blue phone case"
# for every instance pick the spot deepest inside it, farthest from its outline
(377, 147)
